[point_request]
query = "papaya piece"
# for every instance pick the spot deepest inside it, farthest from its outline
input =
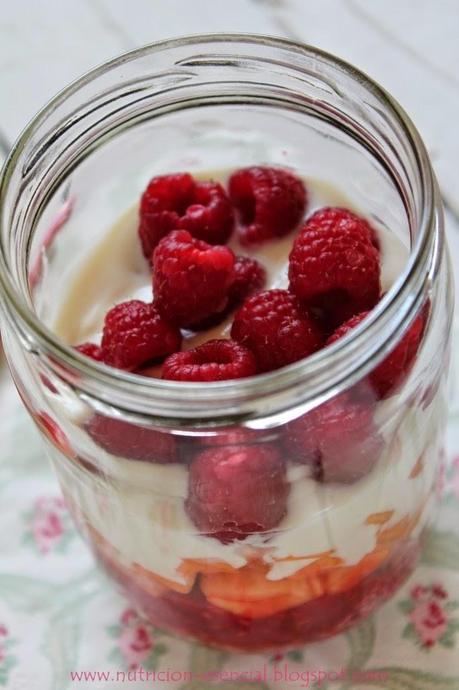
(379, 518)
(155, 584)
(340, 579)
(247, 591)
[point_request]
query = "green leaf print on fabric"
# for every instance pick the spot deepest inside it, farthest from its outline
(26, 593)
(451, 484)
(408, 632)
(441, 549)
(7, 660)
(5, 667)
(205, 659)
(114, 631)
(205, 666)
(361, 641)
(61, 643)
(32, 594)
(296, 655)
(406, 606)
(396, 678)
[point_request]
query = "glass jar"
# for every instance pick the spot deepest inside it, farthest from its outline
(332, 474)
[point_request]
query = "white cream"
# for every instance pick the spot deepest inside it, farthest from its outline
(139, 508)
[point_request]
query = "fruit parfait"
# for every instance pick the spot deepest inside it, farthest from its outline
(235, 348)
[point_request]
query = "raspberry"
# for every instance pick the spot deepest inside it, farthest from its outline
(277, 330)
(346, 327)
(91, 350)
(210, 217)
(172, 202)
(216, 360)
(334, 266)
(347, 221)
(396, 366)
(135, 333)
(250, 276)
(128, 440)
(338, 440)
(191, 278)
(163, 202)
(237, 490)
(271, 202)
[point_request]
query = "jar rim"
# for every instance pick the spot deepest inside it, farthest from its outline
(300, 385)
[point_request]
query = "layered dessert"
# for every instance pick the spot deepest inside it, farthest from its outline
(246, 538)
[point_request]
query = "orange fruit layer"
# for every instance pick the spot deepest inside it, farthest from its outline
(247, 591)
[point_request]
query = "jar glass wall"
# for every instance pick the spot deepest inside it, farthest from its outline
(340, 466)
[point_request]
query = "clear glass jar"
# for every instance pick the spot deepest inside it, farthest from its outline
(321, 547)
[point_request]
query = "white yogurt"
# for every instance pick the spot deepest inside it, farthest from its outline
(139, 508)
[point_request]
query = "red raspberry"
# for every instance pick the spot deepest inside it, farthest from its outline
(396, 366)
(216, 360)
(172, 202)
(346, 327)
(163, 202)
(210, 217)
(91, 350)
(338, 440)
(135, 333)
(250, 276)
(128, 440)
(237, 490)
(348, 222)
(271, 202)
(191, 278)
(277, 330)
(334, 266)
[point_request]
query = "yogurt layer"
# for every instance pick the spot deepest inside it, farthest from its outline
(139, 508)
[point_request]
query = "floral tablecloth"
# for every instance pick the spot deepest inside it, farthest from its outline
(62, 626)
